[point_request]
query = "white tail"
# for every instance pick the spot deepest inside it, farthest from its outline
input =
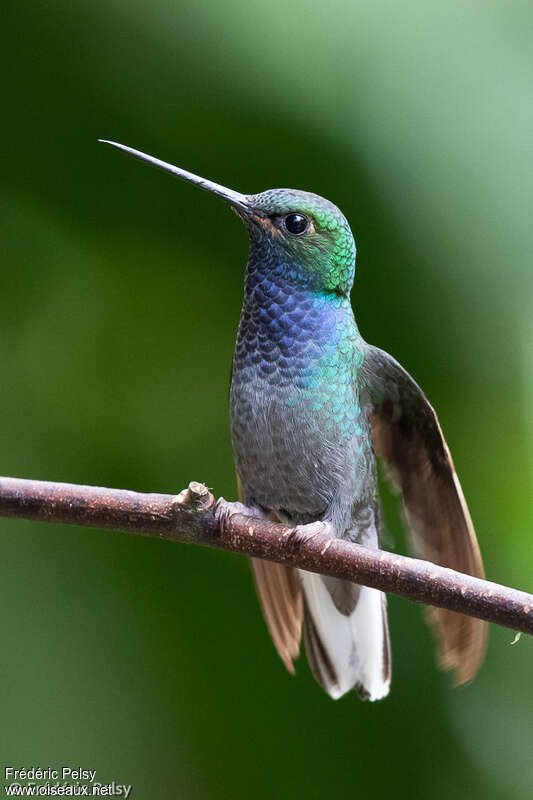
(347, 651)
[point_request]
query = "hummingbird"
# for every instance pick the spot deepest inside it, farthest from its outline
(312, 406)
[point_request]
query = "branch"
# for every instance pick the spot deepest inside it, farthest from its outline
(189, 517)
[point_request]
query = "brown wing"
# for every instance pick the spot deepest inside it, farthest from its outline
(280, 595)
(407, 435)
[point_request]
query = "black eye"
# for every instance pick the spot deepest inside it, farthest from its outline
(296, 223)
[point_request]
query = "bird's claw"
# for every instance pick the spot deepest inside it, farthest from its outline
(302, 534)
(223, 512)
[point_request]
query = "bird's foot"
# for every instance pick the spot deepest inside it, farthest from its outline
(223, 512)
(302, 534)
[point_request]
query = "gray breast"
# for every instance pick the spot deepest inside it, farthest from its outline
(284, 457)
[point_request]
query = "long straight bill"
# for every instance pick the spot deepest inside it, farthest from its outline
(236, 199)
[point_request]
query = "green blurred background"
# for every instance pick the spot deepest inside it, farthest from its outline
(120, 291)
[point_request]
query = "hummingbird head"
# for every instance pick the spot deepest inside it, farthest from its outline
(298, 232)
(307, 234)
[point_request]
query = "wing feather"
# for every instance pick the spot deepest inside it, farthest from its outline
(280, 594)
(407, 435)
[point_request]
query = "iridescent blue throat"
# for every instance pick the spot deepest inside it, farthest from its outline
(290, 334)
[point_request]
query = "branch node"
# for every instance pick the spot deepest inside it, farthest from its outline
(196, 496)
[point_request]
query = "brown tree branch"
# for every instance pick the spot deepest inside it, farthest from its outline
(189, 517)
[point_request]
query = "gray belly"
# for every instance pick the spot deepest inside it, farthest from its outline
(288, 458)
